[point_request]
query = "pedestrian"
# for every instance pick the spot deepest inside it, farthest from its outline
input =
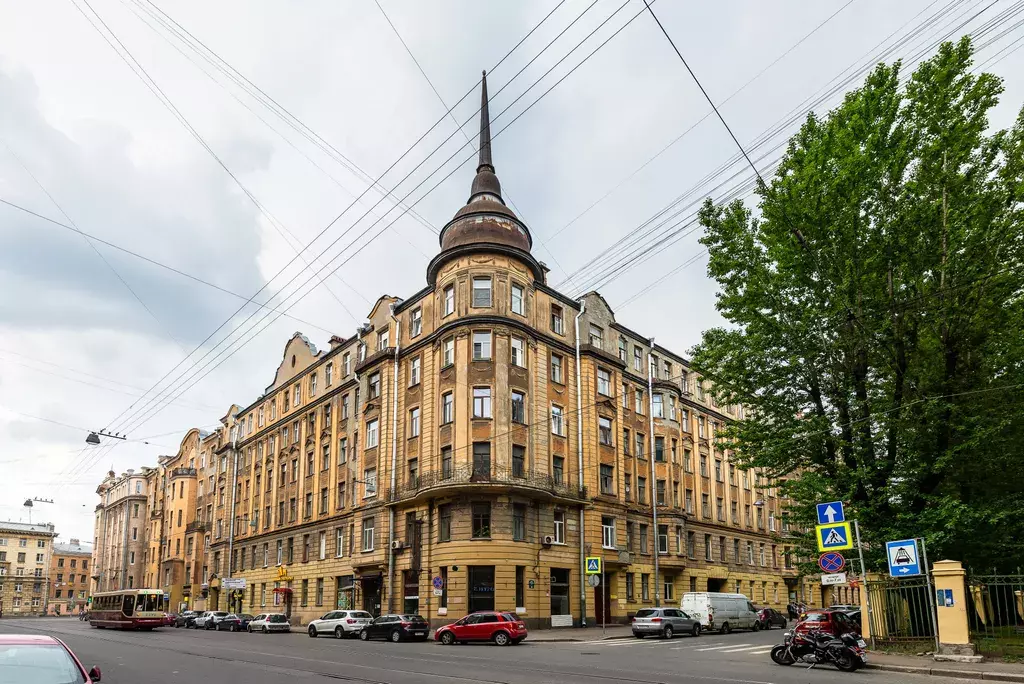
(792, 611)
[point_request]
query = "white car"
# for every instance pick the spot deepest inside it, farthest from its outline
(201, 618)
(270, 622)
(340, 623)
(211, 618)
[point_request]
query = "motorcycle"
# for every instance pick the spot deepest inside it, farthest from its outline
(847, 652)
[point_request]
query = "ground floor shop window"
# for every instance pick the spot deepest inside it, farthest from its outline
(344, 591)
(410, 581)
(481, 587)
(560, 591)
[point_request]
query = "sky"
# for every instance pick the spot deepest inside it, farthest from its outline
(220, 139)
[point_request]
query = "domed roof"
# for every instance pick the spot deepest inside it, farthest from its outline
(485, 219)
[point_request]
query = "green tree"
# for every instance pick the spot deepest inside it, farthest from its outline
(876, 311)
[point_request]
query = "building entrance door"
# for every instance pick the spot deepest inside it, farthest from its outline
(481, 587)
(603, 600)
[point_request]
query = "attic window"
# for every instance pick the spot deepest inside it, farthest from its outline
(293, 360)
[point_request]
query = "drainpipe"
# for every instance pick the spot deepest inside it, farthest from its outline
(654, 475)
(394, 462)
(231, 522)
(579, 455)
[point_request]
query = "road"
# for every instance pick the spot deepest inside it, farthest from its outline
(187, 656)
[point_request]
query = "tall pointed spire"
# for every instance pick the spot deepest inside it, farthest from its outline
(485, 129)
(485, 183)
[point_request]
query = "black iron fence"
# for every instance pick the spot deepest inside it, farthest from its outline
(995, 614)
(466, 474)
(902, 614)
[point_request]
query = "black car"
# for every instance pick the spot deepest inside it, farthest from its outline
(769, 617)
(186, 618)
(396, 628)
(235, 622)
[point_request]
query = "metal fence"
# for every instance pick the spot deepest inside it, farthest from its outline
(995, 614)
(901, 614)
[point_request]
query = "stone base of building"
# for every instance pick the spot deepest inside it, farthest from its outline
(957, 653)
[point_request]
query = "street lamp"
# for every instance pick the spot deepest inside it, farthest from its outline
(94, 437)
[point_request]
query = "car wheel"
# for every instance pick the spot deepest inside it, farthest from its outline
(447, 638)
(667, 632)
(726, 628)
(502, 639)
(265, 630)
(234, 627)
(312, 632)
(396, 636)
(339, 633)
(638, 636)
(695, 631)
(757, 627)
(364, 635)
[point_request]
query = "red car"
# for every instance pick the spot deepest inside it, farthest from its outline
(41, 659)
(500, 627)
(170, 619)
(832, 622)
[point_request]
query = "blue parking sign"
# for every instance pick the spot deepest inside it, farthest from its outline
(902, 558)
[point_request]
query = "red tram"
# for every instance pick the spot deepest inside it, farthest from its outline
(128, 609)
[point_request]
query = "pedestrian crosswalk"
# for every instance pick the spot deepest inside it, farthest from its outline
(702, 646)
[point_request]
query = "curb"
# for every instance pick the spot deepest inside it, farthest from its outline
(575, 640)
(946, 672)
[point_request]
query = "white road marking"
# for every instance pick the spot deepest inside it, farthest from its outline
(719, 648)
(746, 648)
(761, 652)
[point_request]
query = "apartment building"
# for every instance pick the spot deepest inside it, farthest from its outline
(69, 577)
(25, 553)
(119, 527)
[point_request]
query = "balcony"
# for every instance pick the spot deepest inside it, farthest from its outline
(496, 479)
(156, 513)
(183, 472)
(197, 526)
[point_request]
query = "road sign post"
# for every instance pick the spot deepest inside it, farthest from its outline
(864, 585)
(931, 593)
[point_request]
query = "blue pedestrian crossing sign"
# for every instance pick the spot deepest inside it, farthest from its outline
(831, 512)
(834, 537)
(593, 565)
(902, 557)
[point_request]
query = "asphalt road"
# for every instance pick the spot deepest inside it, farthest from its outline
(186, 656)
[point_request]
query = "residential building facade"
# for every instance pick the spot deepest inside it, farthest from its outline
(119, 527)
(69, 577)
(26, 550)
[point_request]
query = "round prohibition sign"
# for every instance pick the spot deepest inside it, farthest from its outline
(831, 561)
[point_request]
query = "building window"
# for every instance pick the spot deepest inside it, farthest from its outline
(559, 527)
(627, 485)
(518, 347)
(604, 382)
(382, 340)
(328, 374)
(444, 523)
(703, 465)
(638, 358)
(607, 479)
(481, 521)
(482, 460)
(556, 368)
(557, 420)
(663, 539)
(558, 469)
(596, 336)
(557, 325)
(750, 553)
(447, 408)
(705, 505)
(720, 508)
(669, 580)
(630, 590)
(368, 534)
(481, 291)
(605, 430)
(518, 523)
(641, 490)
(296, 394)
(312, 391)
(346, 363)
(641, 440)
(608, 532)
(481, 402)
(658, 406)
(482, 345)
(416, 322)
(719, 477)
(369, 483)
(518, 302)
(341, 495)
(414, 422)
(660, 492)
(671, 407)
(449, 301)
(659, 449)
(622, 349)
(373, 386)
(518, 407)
(638, 396)
(645, 587)
(691, 544)
(447, 353)
(760, 555)
(372, 434)
(414, 372)
(446, 462)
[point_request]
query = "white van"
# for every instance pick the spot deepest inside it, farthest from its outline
(722, 612)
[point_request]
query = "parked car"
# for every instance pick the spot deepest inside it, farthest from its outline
(200, 619)
(186, 618)
(396, 628)
(170, 618)
(340, 623)
(769, 617)
(270, 622)
(832, 622)
(41, 658)
(234, 622)
(844, 608)
(213, 617)
(719, 611)
(500, 627)
(664, 622)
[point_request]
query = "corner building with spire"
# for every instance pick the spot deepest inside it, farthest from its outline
(471, 445)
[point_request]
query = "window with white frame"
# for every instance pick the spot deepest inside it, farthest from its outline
(604, 426)
(328, 374)
(414, 422)
(372, 433)
(481, 345)
(448, 307)
(557, 322)
(638, 358)
(559, 527)
(596, 336)
(312, 385)
(557, 420)
(447, 352)
(382, 340)
(368, 534)
(481, 291)
(416, 322)
(481, 402)
(373, 386)
(604, 382)
(447, 408)
(518, 346)
(518, 299)
(369, 483)
(658, 405)
(414, 371)
(608, 532)
(518, 407)
(556, 368)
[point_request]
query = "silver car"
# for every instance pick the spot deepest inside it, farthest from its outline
(665, 622)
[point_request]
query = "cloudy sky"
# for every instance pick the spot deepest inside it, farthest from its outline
(134, 123)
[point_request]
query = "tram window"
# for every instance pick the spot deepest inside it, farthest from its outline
(128, 606)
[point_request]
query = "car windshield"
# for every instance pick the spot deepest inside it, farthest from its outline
(277, 618)
(413, 618)
(38, 664)
(359, 614)
(815, 617)
(245, 616)
(646, 612)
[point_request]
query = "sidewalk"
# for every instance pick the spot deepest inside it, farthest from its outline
(581, 633)
(990, 671)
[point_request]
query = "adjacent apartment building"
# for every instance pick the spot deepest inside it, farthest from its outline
(25, 553)
(69, 577)
(119, 526)
(468, 448)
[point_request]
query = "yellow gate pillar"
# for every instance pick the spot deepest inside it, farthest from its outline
(951, 613)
